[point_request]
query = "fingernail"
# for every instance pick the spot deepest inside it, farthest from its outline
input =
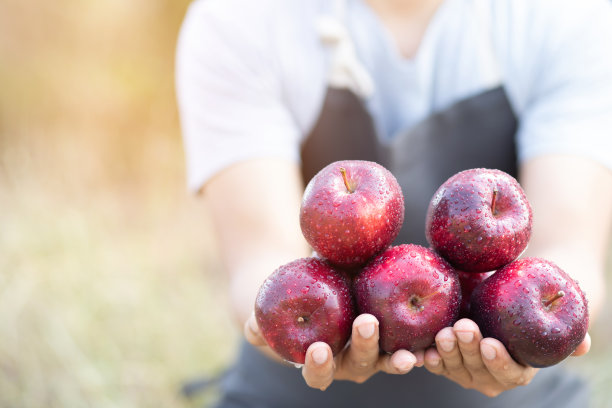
(435, 362)
(465, 336)
(447, 345)
(488, 351)
(366, 330)
(319, 355)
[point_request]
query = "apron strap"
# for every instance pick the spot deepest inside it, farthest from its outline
(484, 14)
(346, 71)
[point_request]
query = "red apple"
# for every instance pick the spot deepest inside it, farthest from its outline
(413, 293)
(479, 220)
(534, 308)
(351, 210)
(468, 282)
(302, 302)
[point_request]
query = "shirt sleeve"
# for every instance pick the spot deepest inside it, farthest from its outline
(229, 92)
(569, 104)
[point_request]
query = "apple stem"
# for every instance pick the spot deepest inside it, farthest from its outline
(346, 183)
(430, 295)
(493, 201)
(301, 319)
(558, 295)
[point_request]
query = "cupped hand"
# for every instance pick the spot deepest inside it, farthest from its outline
(463, 356)
(357, 362)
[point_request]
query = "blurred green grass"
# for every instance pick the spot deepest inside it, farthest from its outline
(111, 293)
(105, 302)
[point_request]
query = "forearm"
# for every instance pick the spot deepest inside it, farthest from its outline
(245, 279)
(577, 261)
(255, 210)
(572, 204)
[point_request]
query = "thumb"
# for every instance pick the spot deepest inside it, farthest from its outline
(252, 333)
(583, 347)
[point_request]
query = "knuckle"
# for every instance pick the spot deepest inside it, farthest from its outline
(360, 379)
(360, 364)
(463, 384)
(318, 384)
(311, 382)
(523, 380)
(491, 392)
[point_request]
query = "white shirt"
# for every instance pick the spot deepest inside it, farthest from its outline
(251, 75)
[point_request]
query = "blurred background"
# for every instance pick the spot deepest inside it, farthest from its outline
(110, 288)
(110, 291)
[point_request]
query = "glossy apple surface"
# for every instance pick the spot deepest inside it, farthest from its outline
(534, 308)
(479, 220)
(413, 293)
(303, 302)
(351, 211)
(468, 282)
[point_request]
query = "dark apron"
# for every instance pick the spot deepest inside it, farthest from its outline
(476, 132)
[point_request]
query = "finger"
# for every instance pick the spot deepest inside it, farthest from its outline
(363, 352)
(252, 333)
(583, 347)
(501, 366)
(400, 362)
(446, 343)
(318, 370)
(468, 339)
(434, 362)
(420, 356)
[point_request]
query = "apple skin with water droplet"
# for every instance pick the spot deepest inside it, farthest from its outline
(349, 218)
(469, 281)
(413, 292)
(479, 220)
(302, 302)
(534, 308)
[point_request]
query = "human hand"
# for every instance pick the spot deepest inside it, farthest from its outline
(357, 362)
(463, 356)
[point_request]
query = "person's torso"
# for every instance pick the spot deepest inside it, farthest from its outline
(466, 50)
(427, 117)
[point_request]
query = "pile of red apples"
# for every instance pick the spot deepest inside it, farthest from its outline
(478, 223)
